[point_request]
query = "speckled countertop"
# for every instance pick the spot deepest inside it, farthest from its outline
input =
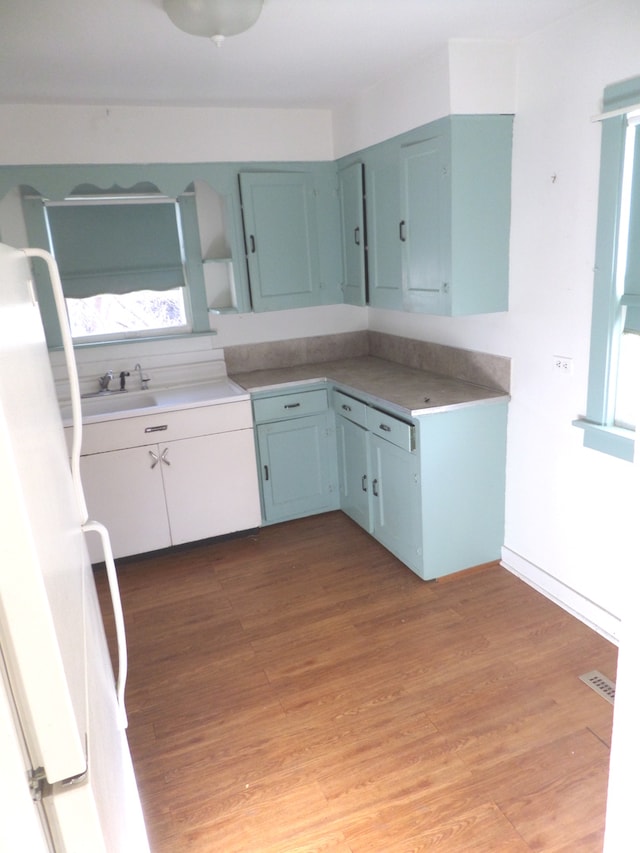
(406, 389)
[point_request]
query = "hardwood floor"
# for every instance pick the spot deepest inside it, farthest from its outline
(301, 690)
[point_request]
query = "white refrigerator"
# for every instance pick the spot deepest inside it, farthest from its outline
(66, 778)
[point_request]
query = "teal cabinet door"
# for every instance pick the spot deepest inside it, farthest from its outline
(351, 188)
(396, 501)
(281, 239)
(353, 467)
(384, 219)
(423, 227)
(298, 474)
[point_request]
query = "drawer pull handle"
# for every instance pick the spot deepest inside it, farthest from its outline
(356, 236)
(374, 486)
(402, 231)
(266, 472)
(346, 408)
(364, 482)
(385, 428)
(292, 405)
(252, 242)
(163, 456)
(155, 458)
(160, 428)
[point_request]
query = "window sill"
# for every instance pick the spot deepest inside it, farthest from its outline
(608, 439)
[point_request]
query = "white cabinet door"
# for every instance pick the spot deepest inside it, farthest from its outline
(126, 494)
(211, 485)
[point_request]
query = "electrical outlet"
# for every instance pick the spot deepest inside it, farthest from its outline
(563, 364)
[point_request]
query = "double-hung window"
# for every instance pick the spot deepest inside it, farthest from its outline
(613, 403)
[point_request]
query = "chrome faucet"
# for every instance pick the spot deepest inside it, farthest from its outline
(104, 381)
(144, 380)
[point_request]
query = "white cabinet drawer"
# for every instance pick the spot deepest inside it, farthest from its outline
(350, 408)
(391, 429)
(165, 426)
(296, 405)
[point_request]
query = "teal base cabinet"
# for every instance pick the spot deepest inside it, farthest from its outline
(430, 489)
(462, 468)
(379, 476)
(296, 449)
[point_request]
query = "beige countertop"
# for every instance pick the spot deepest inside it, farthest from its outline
(410, 391)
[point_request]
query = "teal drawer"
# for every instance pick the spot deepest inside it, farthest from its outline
(350, 408)
(391, 429)
(296, 405)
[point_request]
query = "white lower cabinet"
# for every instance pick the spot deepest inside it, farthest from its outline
(151, 496)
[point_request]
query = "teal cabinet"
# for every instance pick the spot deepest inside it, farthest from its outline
(431, 488)
(382, 176)
(422, 228)
(354, 256)
(456, 205)
(395, 500)
(296, 448)
(438, 205)
(281, 239)
(379, 476)
(354, 476)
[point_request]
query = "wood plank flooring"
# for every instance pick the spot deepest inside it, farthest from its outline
(301, 690)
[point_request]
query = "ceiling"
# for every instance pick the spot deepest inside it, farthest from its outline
(301, 53)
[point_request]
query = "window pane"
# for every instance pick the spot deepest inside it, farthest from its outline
(143, 311)
(628, 386)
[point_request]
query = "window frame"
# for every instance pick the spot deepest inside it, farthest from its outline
(600, 431)
(195, 295)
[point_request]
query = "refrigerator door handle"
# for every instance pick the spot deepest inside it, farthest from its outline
(116, 601)
(72, 372)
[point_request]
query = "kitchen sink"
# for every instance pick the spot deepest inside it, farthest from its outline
(136, 403)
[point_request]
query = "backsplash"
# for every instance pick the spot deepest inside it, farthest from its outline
(167, 362)
(489, 371)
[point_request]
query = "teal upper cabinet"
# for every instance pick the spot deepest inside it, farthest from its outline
(438, 216)
(423, 226)
(291, 237)
(455, 216)
(382, 176)
(354, 258)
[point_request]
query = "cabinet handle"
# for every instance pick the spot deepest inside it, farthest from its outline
(356, 235)
(374, 487)
(292, 405)
(346, 408)
(252, 244)
(402, 231)
(155, 458)
(364, 482)
(163, 456)
(266, 472)
(160, 428)
(385, 428)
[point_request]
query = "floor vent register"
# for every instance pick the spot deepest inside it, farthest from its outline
(601, 684)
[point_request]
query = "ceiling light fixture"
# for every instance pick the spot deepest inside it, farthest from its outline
(214, 19)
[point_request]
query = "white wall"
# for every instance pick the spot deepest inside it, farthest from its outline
(570, 527)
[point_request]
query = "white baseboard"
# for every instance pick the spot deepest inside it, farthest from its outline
(573, 602)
